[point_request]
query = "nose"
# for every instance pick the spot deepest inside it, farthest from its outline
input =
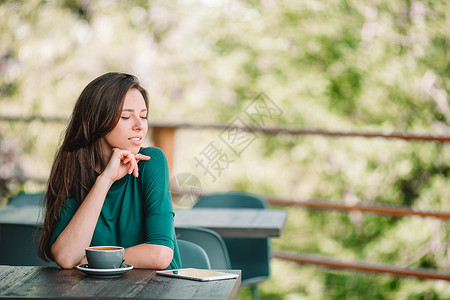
(139, 124)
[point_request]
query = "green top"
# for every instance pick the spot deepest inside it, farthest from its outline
(135, 211)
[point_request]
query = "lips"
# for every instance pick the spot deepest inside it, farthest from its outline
(135, 140)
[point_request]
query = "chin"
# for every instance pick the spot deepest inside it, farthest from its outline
(135, 151)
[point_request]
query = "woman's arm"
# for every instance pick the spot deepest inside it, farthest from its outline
(149, 256)
(158, 226)
(146, 256)
(69, 248)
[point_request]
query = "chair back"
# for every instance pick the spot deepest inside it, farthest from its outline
(18, 245)
(210, 241)
(35, 199)
(230, 200)
(192, 255)
(251, 255)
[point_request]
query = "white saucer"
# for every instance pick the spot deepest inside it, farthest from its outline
(105, 273)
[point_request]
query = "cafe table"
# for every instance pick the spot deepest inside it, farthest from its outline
(55, 283)
(235, 222)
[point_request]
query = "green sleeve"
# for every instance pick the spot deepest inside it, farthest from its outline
(154, 176)
(68, 209)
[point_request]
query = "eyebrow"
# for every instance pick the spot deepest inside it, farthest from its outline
(132, 110)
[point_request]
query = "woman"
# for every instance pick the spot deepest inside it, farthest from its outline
(103, 188)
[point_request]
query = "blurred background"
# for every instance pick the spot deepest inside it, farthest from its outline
(348, 66)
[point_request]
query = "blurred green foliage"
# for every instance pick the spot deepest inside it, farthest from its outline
(333, 64)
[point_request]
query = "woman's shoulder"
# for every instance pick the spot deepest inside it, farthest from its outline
(157, 157)
(153, 152)
(156, 165)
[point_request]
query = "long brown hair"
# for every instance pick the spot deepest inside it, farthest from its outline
(96, 113)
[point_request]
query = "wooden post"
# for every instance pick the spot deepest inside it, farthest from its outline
(164, 138)
(448, 257)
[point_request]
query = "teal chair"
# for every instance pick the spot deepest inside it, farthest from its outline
(192, 255)
(35, 199)
(210, 241)
(18, 245)
(251, 255)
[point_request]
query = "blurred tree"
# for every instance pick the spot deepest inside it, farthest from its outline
(333, 64)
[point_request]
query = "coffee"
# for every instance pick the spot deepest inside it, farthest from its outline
(105, 248)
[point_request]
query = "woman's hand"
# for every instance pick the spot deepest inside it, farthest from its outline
(123, 162)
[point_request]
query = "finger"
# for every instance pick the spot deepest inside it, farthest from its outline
(129, 161)
(132, 164)
(136, 169)
(140, 157)
(126, 160)
(126, 157)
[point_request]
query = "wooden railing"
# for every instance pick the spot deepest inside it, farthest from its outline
(163, 134)
(322, 261)
(393, 211)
